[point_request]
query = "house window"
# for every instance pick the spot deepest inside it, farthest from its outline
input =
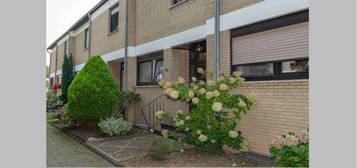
(275, 49)
(174, 2)
(150, 69)
(86, 38)
(277, 70)
(114, 19)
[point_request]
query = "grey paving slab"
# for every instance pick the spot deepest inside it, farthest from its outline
(63, 151)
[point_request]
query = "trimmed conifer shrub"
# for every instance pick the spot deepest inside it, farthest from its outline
(93, 94)
(67, 77)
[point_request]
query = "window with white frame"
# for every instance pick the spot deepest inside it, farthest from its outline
(150, 69)
(114, 19)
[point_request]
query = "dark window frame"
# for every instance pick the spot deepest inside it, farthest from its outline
(175, 2)
(277, 71)
(65, 49)
(110, 19)
(291, 19)
(157, 56)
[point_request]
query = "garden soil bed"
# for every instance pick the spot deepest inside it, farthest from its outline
(194, 158)
(131, 151)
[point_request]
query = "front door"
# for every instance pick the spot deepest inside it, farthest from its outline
(197, 59)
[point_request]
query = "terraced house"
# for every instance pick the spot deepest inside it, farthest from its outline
(267, 40)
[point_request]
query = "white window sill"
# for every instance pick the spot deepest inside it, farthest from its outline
(278, 81)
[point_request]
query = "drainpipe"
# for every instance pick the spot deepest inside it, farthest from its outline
(90, 34)
(218, 38)
(126, 47)
(49, 69)
(56, 64)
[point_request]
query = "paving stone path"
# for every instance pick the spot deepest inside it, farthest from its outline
(63, 151)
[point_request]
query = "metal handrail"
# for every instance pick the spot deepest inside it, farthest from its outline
(153, 106)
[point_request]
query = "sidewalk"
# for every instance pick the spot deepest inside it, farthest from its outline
(63, 151)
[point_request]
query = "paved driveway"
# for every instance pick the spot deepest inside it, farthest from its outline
(62, 151)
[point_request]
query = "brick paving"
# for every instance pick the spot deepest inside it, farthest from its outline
(63, 151)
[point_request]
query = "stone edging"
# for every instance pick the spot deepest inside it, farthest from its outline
(90, 147)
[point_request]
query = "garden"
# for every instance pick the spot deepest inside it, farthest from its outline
(93, 107)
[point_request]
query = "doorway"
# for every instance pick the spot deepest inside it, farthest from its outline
(197, 59)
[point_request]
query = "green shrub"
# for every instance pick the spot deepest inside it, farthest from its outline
(53, 118)
(67, 77)
(93, 94)
(115, 126)
(50, 99)
(215, 113)
(160, 148)
(291, 150)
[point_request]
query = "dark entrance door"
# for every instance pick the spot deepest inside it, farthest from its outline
(197, 59)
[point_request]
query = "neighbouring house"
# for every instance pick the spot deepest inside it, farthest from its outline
(267, 40)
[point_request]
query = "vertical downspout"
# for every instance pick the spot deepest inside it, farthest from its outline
(49, 69)
(90, 35)
(56, 64)
(218, 39)
(126, 47)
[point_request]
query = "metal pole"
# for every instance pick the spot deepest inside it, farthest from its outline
(90, 34)
(218, 39)
(126, 47)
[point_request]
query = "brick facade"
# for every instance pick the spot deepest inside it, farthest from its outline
(283, 105)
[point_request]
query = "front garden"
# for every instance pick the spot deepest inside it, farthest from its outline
(93, 107)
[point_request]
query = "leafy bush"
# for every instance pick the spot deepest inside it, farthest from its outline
(128, 96)
(93, 94)
(67, 76)
(215, 113)
(291, 150)
(160, 148)
(50, 99)
(115, 126)
(53, 118)
(64, 115)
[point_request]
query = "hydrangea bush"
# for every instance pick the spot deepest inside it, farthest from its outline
(115, 126)
(291, 150)
(215, 112)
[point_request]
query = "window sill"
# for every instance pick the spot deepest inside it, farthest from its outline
(147, 86)
(113, 32)
(278, 81)
(174, 5)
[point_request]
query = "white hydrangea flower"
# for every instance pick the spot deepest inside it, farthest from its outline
(209, 95)
(241, 103)
(165, 133)
(195, 100)
(187, 129)
(210, 83)
(253, 98)
(188, 117)
(200, 70)
(202, 138)
(216, 93)
(180, 123)
(221, 78)
(213, 141)
(194, 79)
(174, 94)
(202, 90)
(217, 106)
(223, 87)
(180, 80)
(198, 132)
(191, 94)
(233, 134)
(202, 82)
(159, 114)
(232, 80)
(179, 112)
(237, 74)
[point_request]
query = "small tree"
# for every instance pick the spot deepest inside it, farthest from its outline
(67, 77)
(93, 94)
(215, 114)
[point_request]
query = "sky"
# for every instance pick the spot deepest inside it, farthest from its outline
(61, 15)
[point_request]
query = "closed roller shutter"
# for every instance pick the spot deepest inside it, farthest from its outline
(283, 43)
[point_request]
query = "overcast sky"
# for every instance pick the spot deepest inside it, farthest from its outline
(62, 14)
